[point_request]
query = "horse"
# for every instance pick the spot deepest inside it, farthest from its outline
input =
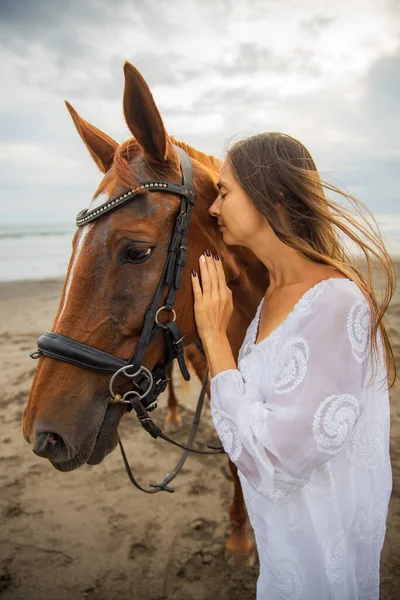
(115, 266)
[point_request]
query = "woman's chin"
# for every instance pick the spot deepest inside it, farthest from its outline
(224, 233)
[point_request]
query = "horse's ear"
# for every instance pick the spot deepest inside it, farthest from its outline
(142, 116)
(100, 145)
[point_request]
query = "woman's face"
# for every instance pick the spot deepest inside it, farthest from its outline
(235, 211)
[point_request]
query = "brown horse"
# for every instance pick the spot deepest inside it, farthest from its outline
(114, 270)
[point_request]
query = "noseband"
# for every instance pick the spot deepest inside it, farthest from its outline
(149, 384)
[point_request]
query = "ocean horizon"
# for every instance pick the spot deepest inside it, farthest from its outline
(42, 251)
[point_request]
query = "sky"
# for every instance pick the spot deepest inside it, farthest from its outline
(326, 72)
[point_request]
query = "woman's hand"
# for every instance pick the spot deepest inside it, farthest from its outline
(213, 305)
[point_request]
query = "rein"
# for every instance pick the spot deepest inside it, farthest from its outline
(149, 384)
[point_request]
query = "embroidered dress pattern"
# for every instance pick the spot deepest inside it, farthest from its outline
(287, 576)
(334, 420)
(228, 434)
(369, 585)
(321, 481)
(311, 445)
(358, 323)
(370, 526)
(335, 557)
(292, 365)
(293, 515)
(366, 444)
(312, 294)
(284, 484)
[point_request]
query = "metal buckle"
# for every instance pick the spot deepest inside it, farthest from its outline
(181, 221)
(178, 341)
(191, 197)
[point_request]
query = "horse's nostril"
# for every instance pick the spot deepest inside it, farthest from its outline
(50, 445)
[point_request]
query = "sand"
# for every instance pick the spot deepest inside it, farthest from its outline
(89, 534)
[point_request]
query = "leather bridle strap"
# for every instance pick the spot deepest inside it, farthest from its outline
(65, 349)
(163, 486)
(174, 265)
(62, 348)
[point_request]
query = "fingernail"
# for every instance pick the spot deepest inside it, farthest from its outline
(208, 252)
(216, 257)
(202, 258)
(194, 273)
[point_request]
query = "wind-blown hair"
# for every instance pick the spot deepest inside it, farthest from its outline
(274, 168)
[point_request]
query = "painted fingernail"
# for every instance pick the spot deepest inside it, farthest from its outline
(194, 273)
(216, 257)
(208, 252)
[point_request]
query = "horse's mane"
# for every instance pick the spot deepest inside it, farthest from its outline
(130, 149)
(208, 160)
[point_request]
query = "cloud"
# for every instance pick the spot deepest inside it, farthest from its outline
(327, 73)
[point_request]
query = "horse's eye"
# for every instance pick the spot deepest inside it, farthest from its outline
(137, 254)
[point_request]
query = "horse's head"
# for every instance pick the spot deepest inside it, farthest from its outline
(115, 268)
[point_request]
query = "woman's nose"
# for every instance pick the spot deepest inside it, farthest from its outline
(213, 211)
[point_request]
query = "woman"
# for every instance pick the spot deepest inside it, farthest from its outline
(307, 431)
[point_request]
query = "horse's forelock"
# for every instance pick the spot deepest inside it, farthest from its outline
(129, 150)
(121, 167)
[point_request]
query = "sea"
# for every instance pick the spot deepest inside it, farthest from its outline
(38, 252)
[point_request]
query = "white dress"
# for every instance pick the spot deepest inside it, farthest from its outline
(311, 443)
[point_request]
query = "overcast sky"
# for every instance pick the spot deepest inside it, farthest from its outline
(326, 72)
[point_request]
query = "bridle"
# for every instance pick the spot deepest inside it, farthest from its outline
(149, 384)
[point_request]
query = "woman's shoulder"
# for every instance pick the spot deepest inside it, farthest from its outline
(345, 291)
(336, 291)
(339, 285)
(332, 300)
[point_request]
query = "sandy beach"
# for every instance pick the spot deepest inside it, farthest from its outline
(89, 534)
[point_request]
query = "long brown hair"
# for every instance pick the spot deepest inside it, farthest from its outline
(276, 168)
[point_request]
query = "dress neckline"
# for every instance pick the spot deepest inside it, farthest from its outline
(290, 315)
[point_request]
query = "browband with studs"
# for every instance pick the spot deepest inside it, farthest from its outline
(85, 216)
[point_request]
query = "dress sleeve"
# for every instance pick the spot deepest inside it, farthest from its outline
(277, 441)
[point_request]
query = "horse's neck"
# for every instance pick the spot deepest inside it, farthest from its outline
(251, 281)
(246, 275)
(207, 160)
